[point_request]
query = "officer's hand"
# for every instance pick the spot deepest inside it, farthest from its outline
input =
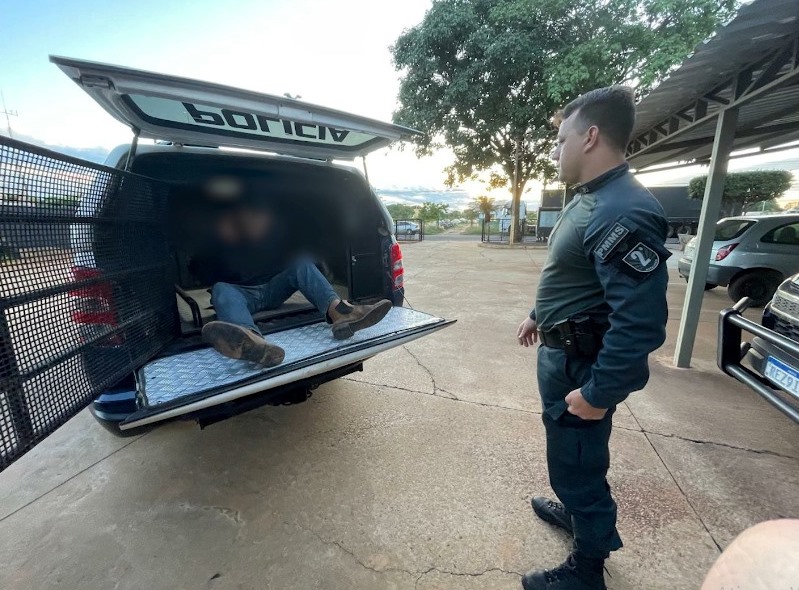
(527, 333)
(581, 408)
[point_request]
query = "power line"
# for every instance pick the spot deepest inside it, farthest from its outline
(7, 113)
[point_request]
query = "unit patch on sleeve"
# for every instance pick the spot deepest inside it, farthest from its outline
(614, 236)
(642, 258)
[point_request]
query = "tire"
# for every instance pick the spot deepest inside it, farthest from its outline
(758, 285)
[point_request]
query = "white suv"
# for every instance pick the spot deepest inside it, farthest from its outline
(751, 255)
(103, 304)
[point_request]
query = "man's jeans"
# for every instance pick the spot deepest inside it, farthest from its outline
(237, 303)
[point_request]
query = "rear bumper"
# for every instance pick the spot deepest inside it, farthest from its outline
(716, 274)
(113, 408)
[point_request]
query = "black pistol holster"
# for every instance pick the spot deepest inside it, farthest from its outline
(579, 336)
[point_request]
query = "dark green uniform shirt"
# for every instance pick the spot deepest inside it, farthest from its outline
(607, 259)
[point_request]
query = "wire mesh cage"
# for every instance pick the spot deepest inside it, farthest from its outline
(86, 286)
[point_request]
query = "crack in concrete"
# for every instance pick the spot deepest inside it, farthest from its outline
(69, 479)
(725, 445)
(705, 442)
(354, 557)
(419, 574)
(674, 479)
(464, 574)
(456, 399)
(436, 388)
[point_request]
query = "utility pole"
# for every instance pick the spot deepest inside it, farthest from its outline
(7, 113)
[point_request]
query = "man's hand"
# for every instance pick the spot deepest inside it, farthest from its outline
(581, 408)
(527, 333)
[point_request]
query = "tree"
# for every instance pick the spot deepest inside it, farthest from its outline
(770, 206)
(470, 215)
(744, 189)
(400, 211)
(432, 211)
(484, 77)
(485, 206)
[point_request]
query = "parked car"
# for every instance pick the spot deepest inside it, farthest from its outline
(115, 320)
(769, 363)
(751, 255)
(407, 228)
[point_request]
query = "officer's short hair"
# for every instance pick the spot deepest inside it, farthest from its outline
(611, 109)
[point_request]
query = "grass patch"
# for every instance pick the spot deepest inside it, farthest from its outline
(431, 229)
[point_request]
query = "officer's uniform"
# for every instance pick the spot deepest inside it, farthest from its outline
(600, 310)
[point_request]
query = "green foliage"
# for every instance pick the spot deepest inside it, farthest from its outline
(770, 206)
(484, 205)
(400, 211)
(483, 77)
(432, 211)
(743, 189)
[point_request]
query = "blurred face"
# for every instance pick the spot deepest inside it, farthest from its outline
(243, 225)
(568, 152)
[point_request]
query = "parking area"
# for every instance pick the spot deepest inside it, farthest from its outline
(415, 474)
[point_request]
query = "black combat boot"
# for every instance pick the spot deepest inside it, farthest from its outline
(576, 573)
(553, 513)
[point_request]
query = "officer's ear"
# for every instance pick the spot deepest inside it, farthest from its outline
(591, 138)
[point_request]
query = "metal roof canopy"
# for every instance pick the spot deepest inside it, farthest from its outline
(740, 90)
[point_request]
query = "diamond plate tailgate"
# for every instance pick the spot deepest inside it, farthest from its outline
(195, 380)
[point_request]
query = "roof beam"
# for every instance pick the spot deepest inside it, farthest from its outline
(774, 66)
(749, 131)
(776, 77)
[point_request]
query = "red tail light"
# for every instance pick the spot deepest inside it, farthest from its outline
(724, 251)
(94, 309)
(397, 271)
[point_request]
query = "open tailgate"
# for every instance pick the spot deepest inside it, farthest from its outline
(197, 380)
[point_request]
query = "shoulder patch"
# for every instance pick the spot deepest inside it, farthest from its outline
(612, 238)
(642, 258)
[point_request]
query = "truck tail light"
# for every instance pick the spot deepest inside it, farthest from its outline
(397, 270)
(94, 307)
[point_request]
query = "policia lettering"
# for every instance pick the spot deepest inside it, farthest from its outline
(252, 122)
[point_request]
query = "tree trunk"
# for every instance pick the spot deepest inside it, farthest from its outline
(515, 223)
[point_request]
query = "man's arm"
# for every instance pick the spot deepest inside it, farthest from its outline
(634, 277)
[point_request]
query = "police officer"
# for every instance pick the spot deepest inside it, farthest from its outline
(599, 311)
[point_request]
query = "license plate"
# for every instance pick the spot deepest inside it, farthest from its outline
(782, 375)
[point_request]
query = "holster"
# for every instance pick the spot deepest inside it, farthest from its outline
(580, 336)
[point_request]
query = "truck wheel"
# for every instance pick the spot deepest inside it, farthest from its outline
(758, 285)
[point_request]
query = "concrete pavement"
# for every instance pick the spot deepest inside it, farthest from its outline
(415, 474)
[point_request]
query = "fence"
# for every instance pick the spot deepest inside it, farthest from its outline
(409, 230)
(495, 232)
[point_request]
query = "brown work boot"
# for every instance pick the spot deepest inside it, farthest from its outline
(348, 319)
(238, 342)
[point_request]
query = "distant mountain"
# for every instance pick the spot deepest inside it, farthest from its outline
(92, 154)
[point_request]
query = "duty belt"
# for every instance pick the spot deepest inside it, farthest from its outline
(578, 336)
(551, 338)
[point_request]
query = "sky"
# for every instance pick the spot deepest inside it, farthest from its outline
(330, 52)
(333, 53)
